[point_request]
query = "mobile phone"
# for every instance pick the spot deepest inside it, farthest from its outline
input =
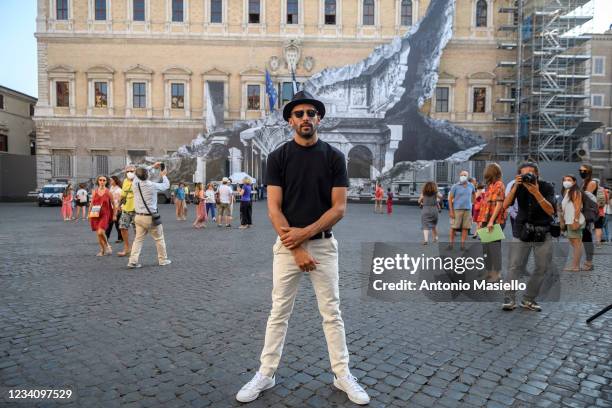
(163, 166)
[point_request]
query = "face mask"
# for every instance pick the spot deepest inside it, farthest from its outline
(584, 174)
(462, 179)
(567, 184)
(130, 175)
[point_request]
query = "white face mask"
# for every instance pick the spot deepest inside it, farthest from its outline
(462, 179)
(130, 175)
(567, 184)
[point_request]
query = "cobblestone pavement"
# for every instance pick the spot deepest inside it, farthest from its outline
(190, 334)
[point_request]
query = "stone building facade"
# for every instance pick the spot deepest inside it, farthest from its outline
(124, 79)
(17, 132)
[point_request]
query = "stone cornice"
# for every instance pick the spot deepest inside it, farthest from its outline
(84, 121)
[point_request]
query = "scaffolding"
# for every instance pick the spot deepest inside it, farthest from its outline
(547, 81)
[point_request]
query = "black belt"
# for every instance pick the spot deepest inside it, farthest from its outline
(145, 213)
(324, 234)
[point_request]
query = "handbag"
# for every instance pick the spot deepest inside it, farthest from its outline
(95, 211)
(155, 218)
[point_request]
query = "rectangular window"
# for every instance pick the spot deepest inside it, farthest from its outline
(62, 95)
(597, 141)
(178, 96)
(139, 95)
(61, 165)
(1, 101)
(292, 12)
(61, 9)
(286, 93)
(216, 11)
(480, 100)
(597, 100)
(368, 12)
(100, 94)
(330, 12)
(406, 13)
(101, 165)
(3, 143)
(442, 99)
(253, 97)
(100, 13)
(138, 10)
(31, 109)
(136, 156)
(513, 96)
(254, 11)
(441, 172)
(177, 11)
(599, 66)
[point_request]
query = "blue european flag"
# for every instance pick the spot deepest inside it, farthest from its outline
(271, 91)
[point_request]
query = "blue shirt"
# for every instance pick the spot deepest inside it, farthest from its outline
(246, 193)
(180, 193)
(462, 196)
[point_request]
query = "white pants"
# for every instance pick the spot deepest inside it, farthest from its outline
(144, 225)
(286, 277)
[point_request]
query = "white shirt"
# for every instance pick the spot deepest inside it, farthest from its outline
(149, 192)
(567, 206)
(82, 195)
(210, 196)
(225, 194)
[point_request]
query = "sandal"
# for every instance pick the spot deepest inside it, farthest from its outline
(123, 253)
(571, 269)
(587, 267)
(101, 253)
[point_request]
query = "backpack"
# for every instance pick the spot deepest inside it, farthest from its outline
(601, 197)
(589, 207)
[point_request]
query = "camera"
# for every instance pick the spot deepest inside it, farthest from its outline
(529, 178)
(162, 166)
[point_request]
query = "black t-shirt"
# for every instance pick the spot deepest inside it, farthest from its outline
(307, 176)
(528, 208)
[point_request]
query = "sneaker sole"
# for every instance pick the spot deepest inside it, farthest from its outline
(257, 396)
(347, 394)
(509, 308)
(530, 308)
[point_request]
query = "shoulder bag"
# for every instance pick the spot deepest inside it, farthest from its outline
(155, 218)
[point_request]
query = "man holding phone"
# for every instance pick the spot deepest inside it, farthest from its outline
(307, 187)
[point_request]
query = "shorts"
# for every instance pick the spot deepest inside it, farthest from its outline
(223, 209)
(599, 223)
(80, 204)
(574, 233)
(463, 220)
(127, 219)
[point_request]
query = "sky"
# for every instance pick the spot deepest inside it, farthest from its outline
(18, 45)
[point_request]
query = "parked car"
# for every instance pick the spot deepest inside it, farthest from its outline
(51, 194)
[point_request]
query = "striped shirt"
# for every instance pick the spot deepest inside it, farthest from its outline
(149, 192)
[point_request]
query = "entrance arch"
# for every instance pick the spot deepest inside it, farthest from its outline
(360, 160)
(217, 162)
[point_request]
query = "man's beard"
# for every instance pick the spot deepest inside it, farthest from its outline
(306, 132)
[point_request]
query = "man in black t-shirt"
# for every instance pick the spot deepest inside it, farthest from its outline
(306, 187)
(535, 200)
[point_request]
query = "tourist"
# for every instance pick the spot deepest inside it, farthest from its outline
(535, 211)
(179, 202)
(460, 201)
(572, 219)
(378, 199)
(82, 198)
(389, 201)
(101, 214)
(608, 218)
(145, 202)
(115, 191)
(67, 198)
(210, 197)
(307, 189)
(226, 197)
(492, 213)
(602, 200)
(478, 197)
(199, 199)
(588, 186)
(430, 207)
(128, 211)
(246, 206)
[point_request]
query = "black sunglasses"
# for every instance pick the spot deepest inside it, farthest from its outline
(300, 114)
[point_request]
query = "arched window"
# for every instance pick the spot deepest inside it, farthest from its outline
(406, 13)
(481, 13)
(368, 12)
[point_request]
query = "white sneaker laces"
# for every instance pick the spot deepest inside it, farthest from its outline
(353, 384)
(256, 382)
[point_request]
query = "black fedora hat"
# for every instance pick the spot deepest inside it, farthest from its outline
(300, 98)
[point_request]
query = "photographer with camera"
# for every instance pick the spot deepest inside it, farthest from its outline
(535, 200)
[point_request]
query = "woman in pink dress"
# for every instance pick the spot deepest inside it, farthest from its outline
(200, 221)
(101, 214)
(67, 198)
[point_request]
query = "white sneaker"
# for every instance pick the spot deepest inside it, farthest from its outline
(251, 390)
(166, 262)
(353, 390)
